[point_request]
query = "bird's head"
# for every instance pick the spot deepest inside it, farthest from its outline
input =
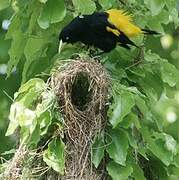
(65, 36)
(71, 32)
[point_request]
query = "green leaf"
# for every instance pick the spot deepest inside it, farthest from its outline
(26, 117)
(33, 50)
(106, 4)
(170, 74)
(141, 104)
(155, 22)
(118, 172)
(157, 146)
(35, 136)
(45, 119)
(36, 83)
(170, 143)
(98, 150)
(138, 173)
(129, 120)
(171, 4)
(30, 92)
(13, 124)
(155, 6)
(118, 145)
(4, 4)
(121, 107)
(16, 50)
(84, 6)
(20, 115)
(54, 156)
(52, 13)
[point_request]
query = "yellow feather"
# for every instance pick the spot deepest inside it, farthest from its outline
(114, 31)
(122, 21)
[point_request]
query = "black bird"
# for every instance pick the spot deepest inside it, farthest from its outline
(103, 30)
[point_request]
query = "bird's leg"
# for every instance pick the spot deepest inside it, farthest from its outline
(100, 53)
(140, 55)
(97, 56)
(139, 58)
(91, 51)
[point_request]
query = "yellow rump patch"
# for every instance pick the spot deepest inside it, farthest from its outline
(123, 22)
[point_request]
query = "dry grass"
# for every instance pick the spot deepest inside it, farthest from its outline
(14, 167)
(81, 87)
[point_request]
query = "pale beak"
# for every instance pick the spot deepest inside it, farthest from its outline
(61, 45)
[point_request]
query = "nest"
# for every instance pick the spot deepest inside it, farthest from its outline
(81, 87)
(14, 167)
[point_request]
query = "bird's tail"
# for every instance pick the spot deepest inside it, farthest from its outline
(147, 31)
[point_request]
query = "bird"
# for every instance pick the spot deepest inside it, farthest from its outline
(103, 30)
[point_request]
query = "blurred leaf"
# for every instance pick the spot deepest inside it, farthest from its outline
(4, 4)
(171, 4)
(98, 150)
(16, 50)
(118, 145)
(35, 136)
(54, 156)
(36, 83)
(20, 115)
(13, 120)
(34, 88)
(170, 143)
(170, 74)
(84, 6)
(32, 51)
(106, 4)
(118, 172)
(52, 13)
(155, 6)
(157, 147)
(129, 120)
(26, 117)
(45, 119)
(175, 18)
(141, 104)
(122, 106)
(153, 82)
(137, 173)
(155, 22)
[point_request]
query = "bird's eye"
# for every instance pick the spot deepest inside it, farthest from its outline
(67, 38)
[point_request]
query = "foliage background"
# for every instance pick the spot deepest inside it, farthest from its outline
(147, 94)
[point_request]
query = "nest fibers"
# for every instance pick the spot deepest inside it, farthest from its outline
(81, 87)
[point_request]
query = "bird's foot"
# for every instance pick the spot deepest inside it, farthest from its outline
(140, 55)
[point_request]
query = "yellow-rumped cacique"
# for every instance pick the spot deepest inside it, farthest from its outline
(103, 30)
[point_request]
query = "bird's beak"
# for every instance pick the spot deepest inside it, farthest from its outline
(61, 45)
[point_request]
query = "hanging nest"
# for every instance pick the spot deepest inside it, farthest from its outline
(81, 87)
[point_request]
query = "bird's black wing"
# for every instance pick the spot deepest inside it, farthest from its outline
(97, 34)
(98, 22)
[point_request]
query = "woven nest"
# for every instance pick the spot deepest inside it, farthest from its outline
(81, 87)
